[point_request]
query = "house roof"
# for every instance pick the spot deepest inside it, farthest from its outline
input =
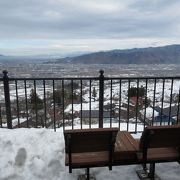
(173, 110)
(109, 106)
(94, 114)
(164, 119)
(133, 100)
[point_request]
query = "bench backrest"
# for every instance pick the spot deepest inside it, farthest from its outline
(89, 140)
(160, 137)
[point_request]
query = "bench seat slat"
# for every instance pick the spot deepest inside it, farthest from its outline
(126, 148)
(160, 155)
(125, 142)
(80, 160)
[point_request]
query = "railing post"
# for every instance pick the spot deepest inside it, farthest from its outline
(7, 99)
(101, 97)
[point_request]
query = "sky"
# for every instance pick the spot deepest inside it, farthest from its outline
(35, 27)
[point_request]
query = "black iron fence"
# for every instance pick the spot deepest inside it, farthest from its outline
(129, 103)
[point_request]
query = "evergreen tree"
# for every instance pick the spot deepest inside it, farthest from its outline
(35, 101)
(134, 91)
(94, 93)
(58, 97)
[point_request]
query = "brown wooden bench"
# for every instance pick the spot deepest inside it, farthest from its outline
(159, 144)
(109, 147)
(89, 148)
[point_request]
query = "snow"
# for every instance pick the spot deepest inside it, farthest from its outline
(38, 154)
(15, 121)
(85, 106)
(31, 154)
(159, 93)
(149, 112)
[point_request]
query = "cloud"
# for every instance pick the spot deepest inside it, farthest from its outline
(82, 19)
(89, 19)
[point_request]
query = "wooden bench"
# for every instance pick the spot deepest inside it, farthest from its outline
(159, 144)
(89, 148)
(109, 147)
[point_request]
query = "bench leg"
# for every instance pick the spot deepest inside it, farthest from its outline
(144, 166)
(87, 173)
(86, 176)
(152, 171)
(70, 169)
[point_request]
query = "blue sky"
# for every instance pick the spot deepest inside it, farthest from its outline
(32, 27)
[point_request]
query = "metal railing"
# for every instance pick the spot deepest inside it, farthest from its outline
(129, 103)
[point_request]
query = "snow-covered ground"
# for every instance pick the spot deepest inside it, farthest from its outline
(38, 154)
(15, 122)
(157, 92)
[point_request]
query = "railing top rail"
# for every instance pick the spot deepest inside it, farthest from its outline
(144, 77)
(65, 78)
(93, 78)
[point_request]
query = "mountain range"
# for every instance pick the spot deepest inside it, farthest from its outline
(152, 55)
(41, 58)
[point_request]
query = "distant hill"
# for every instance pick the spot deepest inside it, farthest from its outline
(41, 58)
(26, 59)
(153, 55)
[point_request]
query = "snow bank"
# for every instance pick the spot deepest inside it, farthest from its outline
(38, 154)
(28, 154)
